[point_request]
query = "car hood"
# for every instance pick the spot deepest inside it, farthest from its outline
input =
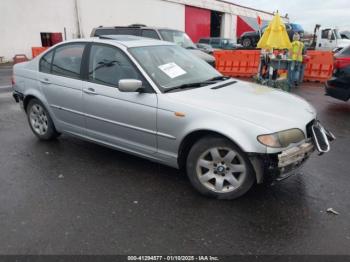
(269, 108)
(202, 55)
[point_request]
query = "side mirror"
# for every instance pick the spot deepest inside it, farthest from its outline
(130, 85)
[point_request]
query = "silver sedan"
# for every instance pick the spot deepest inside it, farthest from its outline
(158, 101)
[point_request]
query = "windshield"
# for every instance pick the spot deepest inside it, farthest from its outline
(170, 66)
(178, 37)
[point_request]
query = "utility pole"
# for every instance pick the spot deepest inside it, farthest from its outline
(77, 17)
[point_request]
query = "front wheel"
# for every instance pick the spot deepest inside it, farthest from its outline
(40, 121)
(218, 168)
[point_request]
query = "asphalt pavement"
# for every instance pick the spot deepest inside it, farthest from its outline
(74, 197)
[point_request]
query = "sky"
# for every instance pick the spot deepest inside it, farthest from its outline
(328, 13)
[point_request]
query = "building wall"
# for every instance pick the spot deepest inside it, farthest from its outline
(22, 21)
(197, 22)
(118, 12)
(232, 13)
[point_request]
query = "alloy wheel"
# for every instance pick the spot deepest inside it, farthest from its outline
(221, 169)
(38, 119)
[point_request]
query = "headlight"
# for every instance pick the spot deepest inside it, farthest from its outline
(282, 139)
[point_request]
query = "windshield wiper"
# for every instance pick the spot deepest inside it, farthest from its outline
(184, 86)
(198, 84)
(217, 78)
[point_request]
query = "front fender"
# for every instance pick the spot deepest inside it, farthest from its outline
(242, 133)
(172, 130)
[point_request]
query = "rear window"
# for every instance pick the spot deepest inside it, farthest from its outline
(45, 63)
(67, 60)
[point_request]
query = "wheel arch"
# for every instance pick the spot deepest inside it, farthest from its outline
(34, 94)
(27, 99)
(191, 138)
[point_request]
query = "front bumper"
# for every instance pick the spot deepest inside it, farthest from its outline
(281, 165)
(286, 163)
(295, 155)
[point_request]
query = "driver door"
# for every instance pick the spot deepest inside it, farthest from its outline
(121, 119)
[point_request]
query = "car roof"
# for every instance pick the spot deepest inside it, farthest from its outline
(125, 40)
(136, 27)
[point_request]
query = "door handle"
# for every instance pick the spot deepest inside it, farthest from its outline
(90, 91)
(45, 81)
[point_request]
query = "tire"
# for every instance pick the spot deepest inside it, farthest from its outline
(218, 168)
(247, 42)
(40, 121)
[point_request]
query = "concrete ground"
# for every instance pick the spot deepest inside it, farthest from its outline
(73, 197)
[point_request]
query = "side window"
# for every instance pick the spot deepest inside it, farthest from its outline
(215, 43)
(150, 33)
(67, 60)
(45, 63)
(325, 33)
(204, 41)
(108, 65)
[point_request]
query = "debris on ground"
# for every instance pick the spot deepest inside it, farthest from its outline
(60, 176)
(332, 211)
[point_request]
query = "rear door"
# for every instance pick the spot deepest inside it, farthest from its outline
(60, 80)
(124, 120)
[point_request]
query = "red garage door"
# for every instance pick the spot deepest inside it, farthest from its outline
(197, 22)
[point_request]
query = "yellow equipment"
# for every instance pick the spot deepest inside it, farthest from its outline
(275, 35)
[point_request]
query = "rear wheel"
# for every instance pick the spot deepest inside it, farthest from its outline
(40, 121)
(218, 168)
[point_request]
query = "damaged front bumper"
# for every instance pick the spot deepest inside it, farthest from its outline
(281, 165)
(270, 167)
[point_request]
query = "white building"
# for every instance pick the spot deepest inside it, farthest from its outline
(34, 23)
